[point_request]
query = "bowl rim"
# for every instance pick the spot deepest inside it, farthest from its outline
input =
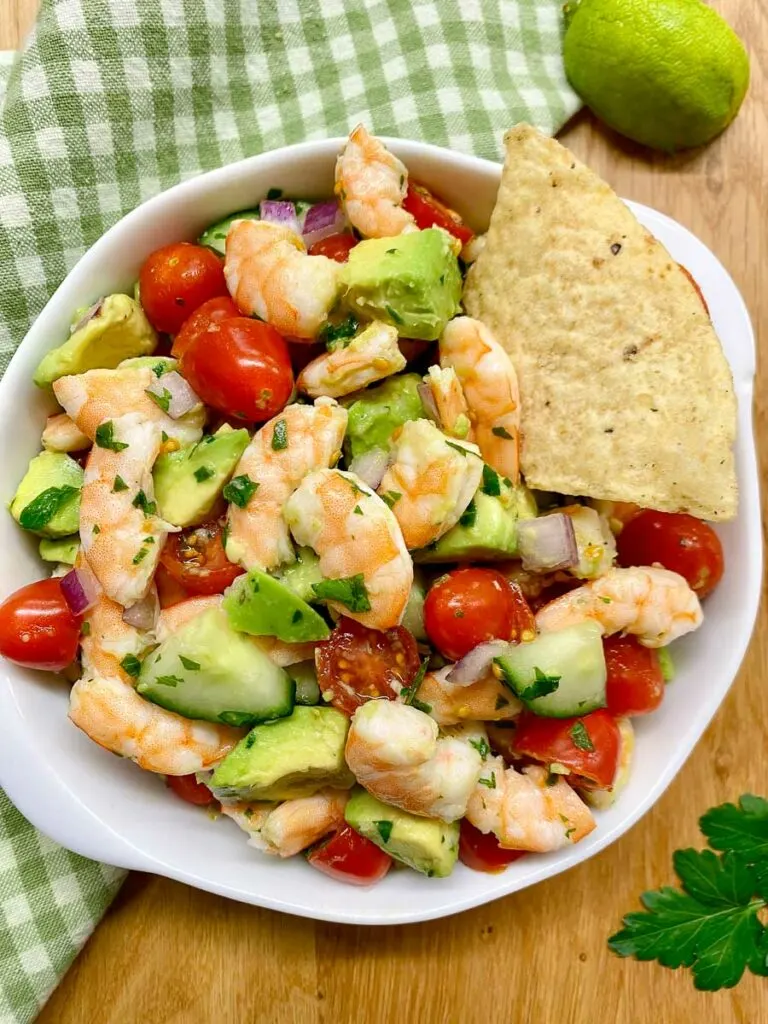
(52, 806)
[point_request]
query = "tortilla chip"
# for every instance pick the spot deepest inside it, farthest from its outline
(626, 394)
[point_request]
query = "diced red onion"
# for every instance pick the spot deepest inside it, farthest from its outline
(183, 399)
(143, 614)
(370, 466)
(547, 543)
(81, 590)
(428, 401)
(322, 220)
(279, 211)
(89, 314)
(476, 663)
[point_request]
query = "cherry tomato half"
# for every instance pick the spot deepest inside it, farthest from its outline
(211, 312)
(588, 745)
(428, 211)
(349, 857)
(188, 788)
(357, 664)
(175, 280)
(635, 682)
(482, 852)
(695, 284)
(241, 367)
(680, 542)
(169, 590)
(335, 247)
(37, 628)
(195, 559)
(468, 606)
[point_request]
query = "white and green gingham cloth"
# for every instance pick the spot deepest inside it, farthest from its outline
(112, 101)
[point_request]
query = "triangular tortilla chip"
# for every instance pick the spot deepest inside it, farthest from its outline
(626, 394)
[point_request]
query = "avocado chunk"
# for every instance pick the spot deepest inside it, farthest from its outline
(215, 236)
(189, 481)
(487, 530)
(258, 604)
(428, 846)
(47, 501)
(559, 674)
(413, 616)
(207, 670)
(375, 414)
(412, 282)
(286, 759)
(61, 549)
(159, 365)
(304, 674)
(116, 330)
(299, 576)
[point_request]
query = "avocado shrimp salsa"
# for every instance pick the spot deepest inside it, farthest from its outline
(296, 570)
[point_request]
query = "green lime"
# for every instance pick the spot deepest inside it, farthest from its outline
(667, 73)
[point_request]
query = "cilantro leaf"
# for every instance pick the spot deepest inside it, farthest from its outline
(119, 485)
(481, 746)
(391, 498)
(339, 335)
(131, 665)
(469, 515)
(105, 437)
(542, 685)
(408, 693)
(168, 680)
(203, 473)
(189, 664)
(384, 828)
(142, 501)
(162, 401)
(41, 510)
(351, 592)
(502, 432)
(240, 490)
(280, 436)
(742, 829)
(581, 737)
(491, 484)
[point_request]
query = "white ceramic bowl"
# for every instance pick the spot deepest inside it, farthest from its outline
(105, 808)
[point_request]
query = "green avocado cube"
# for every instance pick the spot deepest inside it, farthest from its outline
(60, 549)
(258, 604)
(188, 482)
(376, 413)
(426, 845)
(47, 501)
(290, 758)
(301, 575)
(411, 281)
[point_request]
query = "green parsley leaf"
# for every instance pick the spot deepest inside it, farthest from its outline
(580, 736)
(142, 501)
(203, 473)
(335, 336)
(168, 680)
(193, 666)
(140, 555)
(501, 432)
(159, 369)
(394, 315)
(163, 401)
(469, 515)
(96, 529)
(41, 510)
(131, 665)
(274, 193)
(351, 592)
(297, 616)
(240, 490)
(458, 448)
(384, 828)
(280, 436)
(391, 497)
(85, 629)
(488, 783)
(491, 484)
(408, 693)
(119, 485)
(481, 746)
(742, 829)
(358, 511)
(105, 437)
(542, 685)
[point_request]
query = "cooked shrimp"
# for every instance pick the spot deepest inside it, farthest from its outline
(62, 434)
(355, 535)
(308, 437)
(489, 382)
(524, 811)
(109, 710)
(281, 653)
(108, 639)
(270, 275)
(394, 751)
(371, 183)
(487, 700)
(92, 397)
(451, 405)
(430, 482)
(290, 827)
(656, 605)
(371, 356)
(121, 536)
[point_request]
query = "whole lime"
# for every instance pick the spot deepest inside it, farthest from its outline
(667, 73)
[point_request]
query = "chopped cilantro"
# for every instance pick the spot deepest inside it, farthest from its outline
(119, 484)
(394, 315)
(131, 665)
(203, 473)
(193, 666)
(351, 592)
(408, 693)
(502, 432)
(280, 436)
(297, 616)
(159, 369)
(140, 555)
(85, 629)
(469, 515)
(357, 510)
(458, 448)
(240, 490)
(384, 828)
(580, 736)
(142, 501)
(481, 746)
(274, 193)
(491, 484)
(489, 783)
(96, 529)
(105, 437)
(391, 497)
(162, 401)
(339, 335)
(168, 680)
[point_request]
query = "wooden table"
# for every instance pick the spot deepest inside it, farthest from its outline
(168, 953)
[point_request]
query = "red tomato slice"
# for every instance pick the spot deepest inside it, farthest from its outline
(695, 284)
(428, 211)
(588, 745)
(482, 852)
(468, 606)
(195, 559)
(169, 590)
(349, 857)
(680, 542)
(175, 280)
(188, 788)
(335, 247)
(211, 312)
(357, 664)
(635, 682)
(240, 367)
(37, 628)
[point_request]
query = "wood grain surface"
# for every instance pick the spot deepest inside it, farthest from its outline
(167, 953)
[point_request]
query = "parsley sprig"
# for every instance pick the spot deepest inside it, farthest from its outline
(710, 923)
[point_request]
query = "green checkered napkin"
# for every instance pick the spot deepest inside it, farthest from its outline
(112, 101)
